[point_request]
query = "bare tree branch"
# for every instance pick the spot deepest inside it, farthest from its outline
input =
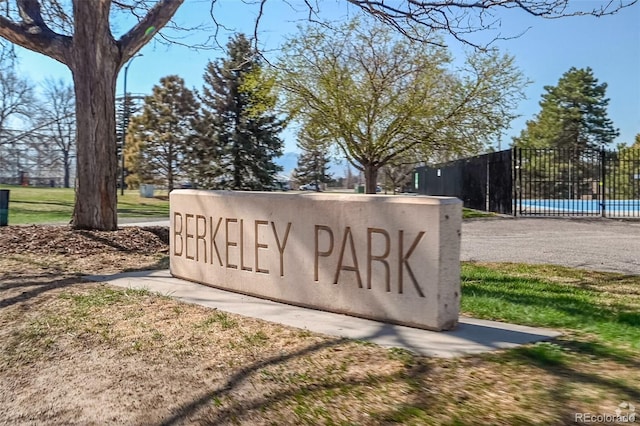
(131, 42)
(31, 14)
(218, 25)
(33, 34)
(460, 18)
(255, 30)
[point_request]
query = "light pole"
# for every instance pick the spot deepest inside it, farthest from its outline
(125, 122)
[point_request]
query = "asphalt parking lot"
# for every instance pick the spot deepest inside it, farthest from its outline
(595, 244)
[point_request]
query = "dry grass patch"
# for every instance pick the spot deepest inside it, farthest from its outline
(73, 352)
(152, 360)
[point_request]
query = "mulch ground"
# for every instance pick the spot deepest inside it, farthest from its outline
(47, 240)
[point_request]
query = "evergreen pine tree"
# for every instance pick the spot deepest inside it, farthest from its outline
(573, 115)
(126, 108)
(314, 161)
(237, 137)
(158, 138)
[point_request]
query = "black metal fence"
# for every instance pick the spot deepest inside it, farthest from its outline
(541, 182)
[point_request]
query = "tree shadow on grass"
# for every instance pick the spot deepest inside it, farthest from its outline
(557, 365)
(613, 282)
(311, 398)
(188, 410)
(37, 288)
(68, 204)
(33, 213)
(576, 309)
(314, 392)
(137, 212)
(305, 394)
(557, 398)
(27, 280)
(573, 302)
(586, 280)
(162, 263)
(602, 351)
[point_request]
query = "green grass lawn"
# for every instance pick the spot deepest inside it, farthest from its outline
(600, 311)
(296, 377)
(29, 205)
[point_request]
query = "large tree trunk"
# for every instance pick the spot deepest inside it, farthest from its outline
(95, 70)
(370, 178)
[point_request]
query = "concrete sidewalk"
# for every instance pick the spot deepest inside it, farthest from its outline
(471, 336)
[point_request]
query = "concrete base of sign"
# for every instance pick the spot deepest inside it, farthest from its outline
(389, 258)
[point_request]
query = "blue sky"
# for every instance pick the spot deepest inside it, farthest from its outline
(609, 45)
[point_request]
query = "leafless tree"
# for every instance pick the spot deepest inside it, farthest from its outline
(16, 99)
(16, 106)
(57, 125)
(398, 174)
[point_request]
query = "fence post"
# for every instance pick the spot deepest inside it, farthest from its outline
(603, 188)
(516, 155)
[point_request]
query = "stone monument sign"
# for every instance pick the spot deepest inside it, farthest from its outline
(389, 258)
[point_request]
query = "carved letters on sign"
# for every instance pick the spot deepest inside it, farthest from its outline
(226, 241)
(220, 248)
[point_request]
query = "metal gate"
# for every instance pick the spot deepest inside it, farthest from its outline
(560, 182)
